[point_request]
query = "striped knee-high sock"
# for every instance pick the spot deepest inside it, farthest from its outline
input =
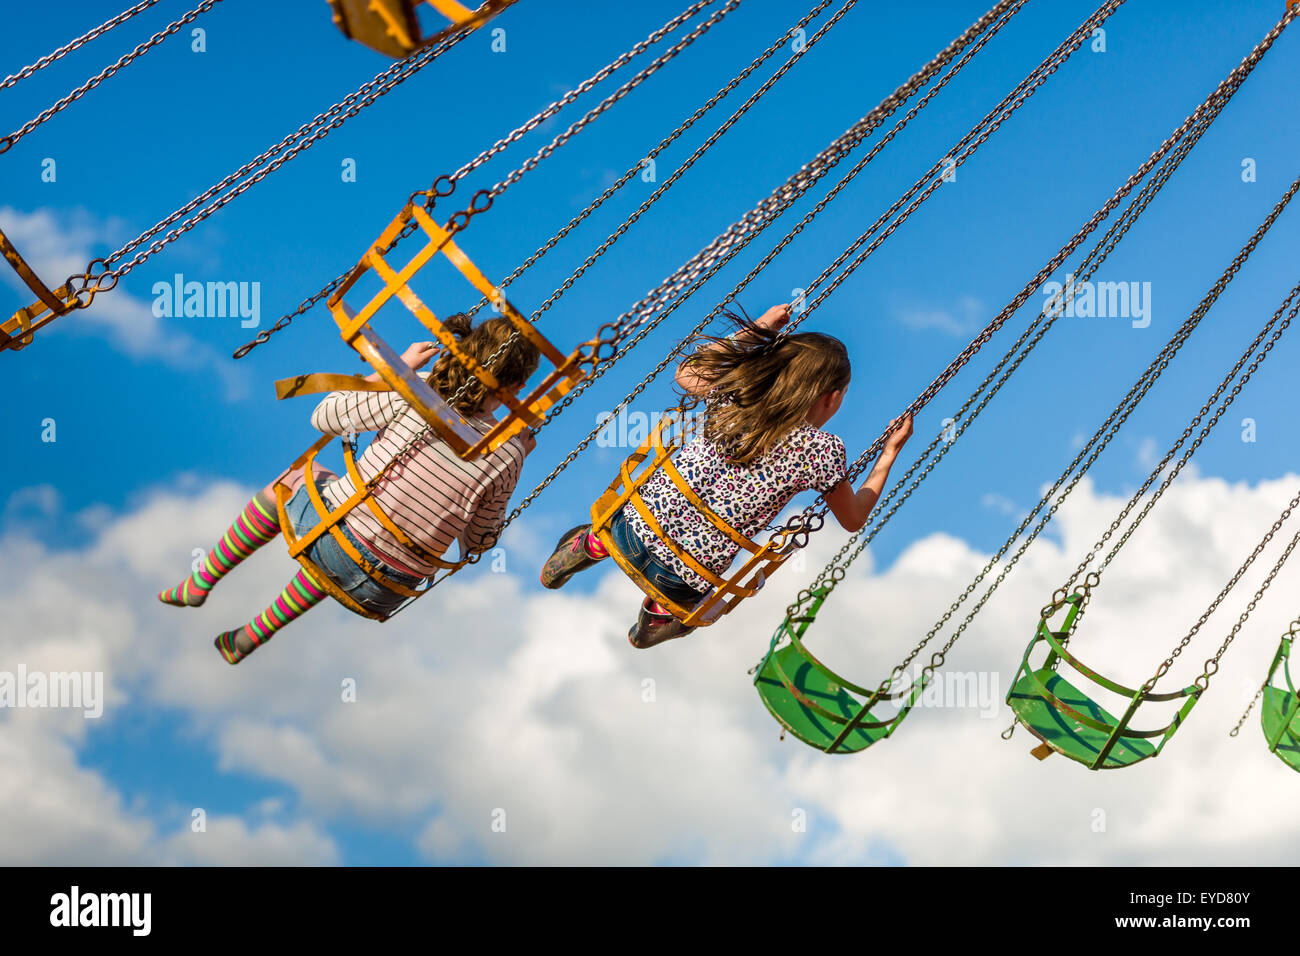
(256, 525)
(300, 596)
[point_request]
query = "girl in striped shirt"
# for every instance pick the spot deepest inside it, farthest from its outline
(767, 397)
(435, 498)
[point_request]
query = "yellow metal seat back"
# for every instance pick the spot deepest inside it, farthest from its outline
(392, 27)
(16, 333)
(518, 412)
(654, 455)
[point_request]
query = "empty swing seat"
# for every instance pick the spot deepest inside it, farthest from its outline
(653, 456)
(815, 704)
(520, 412)
(16, 333)
(1071, 723)
(392, 27)
(1280, 716)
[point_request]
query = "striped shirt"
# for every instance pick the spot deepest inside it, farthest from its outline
(436, 498)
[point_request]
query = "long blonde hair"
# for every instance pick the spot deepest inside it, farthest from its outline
(514, 366)
(762, 384)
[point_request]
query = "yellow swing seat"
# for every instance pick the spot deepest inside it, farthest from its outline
(355, 327)
(392, 27)
(330, 519)
(655, 455)
(16, 333)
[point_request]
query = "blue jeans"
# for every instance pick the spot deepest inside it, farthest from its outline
(655, 571)
(328, 555)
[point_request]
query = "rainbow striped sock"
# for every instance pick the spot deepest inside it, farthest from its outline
(300, 596)
(256, 525)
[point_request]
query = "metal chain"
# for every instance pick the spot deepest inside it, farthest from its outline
(363, 96)
(662, 145)
(1226, 89)
(76, 44)
(99, 277)
(422, 436)
(873, 119)
(1292, 632)
(573, 130)
(644, 312)
(445, 184)
(812, 518)
(1212, 665)
(7, 142)
(1205, 431)
(1094, 448)
(1203, 115)
(836, 568)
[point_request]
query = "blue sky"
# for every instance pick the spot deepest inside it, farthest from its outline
(177, 415)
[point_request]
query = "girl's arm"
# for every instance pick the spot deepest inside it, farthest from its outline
(774, 318)
(853, 508)
(347, 413)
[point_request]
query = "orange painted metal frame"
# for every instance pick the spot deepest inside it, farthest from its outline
(654, 456)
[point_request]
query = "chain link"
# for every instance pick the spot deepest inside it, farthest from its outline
(76, 44)
(7, 142)
(869, 123)
(662, 145)
(445, 185)
(894, 499)
(1212, 665)
(1292, 632)
(1093, 449)
(491, 361)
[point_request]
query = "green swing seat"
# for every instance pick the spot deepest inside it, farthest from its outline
(814, 703)
(1280, 717)
(1069, 722)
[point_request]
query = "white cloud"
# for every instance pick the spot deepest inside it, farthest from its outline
(494, 695)
(56, 250)
(963, 318)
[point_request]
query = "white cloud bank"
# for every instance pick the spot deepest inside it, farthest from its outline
(494, 701)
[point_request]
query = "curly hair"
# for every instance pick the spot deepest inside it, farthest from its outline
(514, 366)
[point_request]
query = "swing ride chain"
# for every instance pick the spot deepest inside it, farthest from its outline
(7, 142)
(460, 220)
(446, 184)
(1166, 355)
(1212, 665)
(348, 107)
(836, 568)
(1101, 439)
(76, 44)
(829, 572)
(664, 144)
(874, 119)
(616, 332)
(98, 277)
(1292, 632)
(572, 131)
(869, 123)
(1203, 116)
(1232, 397)
(1132, 400)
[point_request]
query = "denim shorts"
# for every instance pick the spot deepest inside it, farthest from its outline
(328, 555)
(656, 572)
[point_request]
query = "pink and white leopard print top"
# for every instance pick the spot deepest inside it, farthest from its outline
(748, 497)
